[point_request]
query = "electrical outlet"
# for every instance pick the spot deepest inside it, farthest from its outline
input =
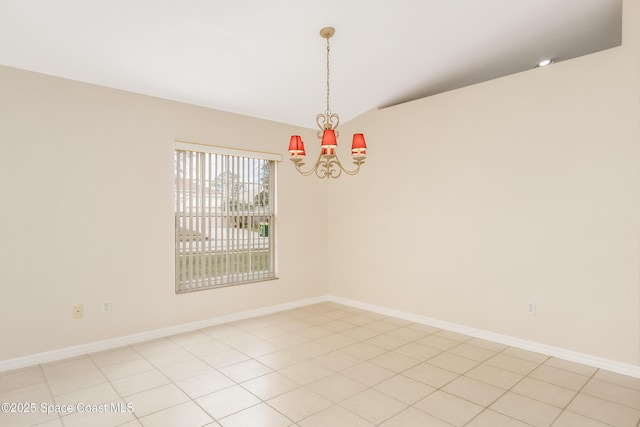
(78, 311)
(531, 308)
(106, 306)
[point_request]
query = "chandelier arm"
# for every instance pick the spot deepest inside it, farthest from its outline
(349, 172)
(326, 168)
(299, 165)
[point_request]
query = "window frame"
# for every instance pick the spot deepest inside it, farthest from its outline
(226, 241)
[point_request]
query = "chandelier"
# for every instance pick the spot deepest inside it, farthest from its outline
(328, 165)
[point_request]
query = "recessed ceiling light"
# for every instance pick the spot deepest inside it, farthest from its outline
(545, 62)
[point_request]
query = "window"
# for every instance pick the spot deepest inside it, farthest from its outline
(224, 217)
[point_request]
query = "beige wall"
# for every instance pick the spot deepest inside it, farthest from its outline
(473, 203)
(524, 188)
(86, 182)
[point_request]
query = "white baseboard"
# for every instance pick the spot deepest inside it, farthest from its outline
(108, 344)
(561, 353)
(65, 353)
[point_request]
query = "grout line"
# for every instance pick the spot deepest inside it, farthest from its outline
(322, 318)
(574, 397)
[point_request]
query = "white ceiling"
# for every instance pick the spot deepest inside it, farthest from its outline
(266, 58)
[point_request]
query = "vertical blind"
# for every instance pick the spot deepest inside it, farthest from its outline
(224, 217)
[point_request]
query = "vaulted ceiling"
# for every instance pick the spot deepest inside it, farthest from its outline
(267, 59)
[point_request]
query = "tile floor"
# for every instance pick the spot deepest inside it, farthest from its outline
(320, 365)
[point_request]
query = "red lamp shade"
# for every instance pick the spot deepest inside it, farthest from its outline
(328, 151)
(358, 146)
(329, 139)
(296, 146)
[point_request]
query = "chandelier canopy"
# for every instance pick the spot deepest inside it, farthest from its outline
(328, 165)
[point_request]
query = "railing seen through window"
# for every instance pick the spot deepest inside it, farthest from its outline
(224, 217)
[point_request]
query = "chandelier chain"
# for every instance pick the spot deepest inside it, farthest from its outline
(328, 112)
